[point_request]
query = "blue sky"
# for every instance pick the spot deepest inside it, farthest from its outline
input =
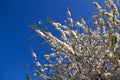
(16, 16)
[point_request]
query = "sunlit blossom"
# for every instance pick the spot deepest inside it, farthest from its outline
(82, 52)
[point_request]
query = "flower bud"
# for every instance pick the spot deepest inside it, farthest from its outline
(34, 56)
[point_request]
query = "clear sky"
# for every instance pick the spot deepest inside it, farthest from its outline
(15, 16)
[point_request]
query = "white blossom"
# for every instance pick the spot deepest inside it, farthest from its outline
(68, 13)
(55, 24)
(70, 21)
(83, 22)
(40, 33)
(52, 54)
(97, 5)
(107, 75)
(110, 54)
(38, 64)
(65, 27)
(78, 24)
(47, 57)
(34, 56)
(73, 33)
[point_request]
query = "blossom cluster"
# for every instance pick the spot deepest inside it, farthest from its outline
(93, 54)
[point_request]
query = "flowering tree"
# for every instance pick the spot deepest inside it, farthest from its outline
(93, 54)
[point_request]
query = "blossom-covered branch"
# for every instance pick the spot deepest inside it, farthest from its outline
(93, 54)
